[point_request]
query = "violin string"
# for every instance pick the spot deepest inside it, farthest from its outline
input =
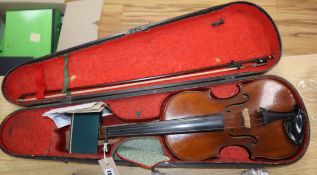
(242, 126)
(150, 125)
(234, 127)
(254, 118)
(136, 126)
(252, 115)
(225, 117)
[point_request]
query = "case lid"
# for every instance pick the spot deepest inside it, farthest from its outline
(235, 39)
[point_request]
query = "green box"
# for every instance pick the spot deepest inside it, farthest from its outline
(1, 35)
(31, 33)
(1, 46)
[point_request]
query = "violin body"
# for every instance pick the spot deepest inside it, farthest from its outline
(261, 117)
(269, 141)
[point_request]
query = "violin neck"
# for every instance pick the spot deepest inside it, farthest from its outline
(204, 123)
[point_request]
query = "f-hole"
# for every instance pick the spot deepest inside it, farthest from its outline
(244, 138)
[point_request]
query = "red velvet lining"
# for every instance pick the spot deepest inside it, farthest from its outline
(27, 133)
(135, 108)
(178, 46)
(39, 81)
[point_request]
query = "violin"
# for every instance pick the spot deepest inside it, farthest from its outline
(262, 117)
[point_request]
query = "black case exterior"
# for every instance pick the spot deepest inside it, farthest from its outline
(154, 89)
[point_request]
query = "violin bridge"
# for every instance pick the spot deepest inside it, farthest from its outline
(246, 118)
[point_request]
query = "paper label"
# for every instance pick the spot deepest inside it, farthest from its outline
(108, 166)
(35, 37)
(61, 119)
(109, 171)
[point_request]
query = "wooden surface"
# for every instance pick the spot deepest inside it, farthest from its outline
(297, 21)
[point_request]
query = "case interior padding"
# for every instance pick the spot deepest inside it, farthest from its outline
(182, 45)
(27, 133)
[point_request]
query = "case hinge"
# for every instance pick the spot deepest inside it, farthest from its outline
(138, 29)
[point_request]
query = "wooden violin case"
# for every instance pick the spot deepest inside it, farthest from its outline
(115, 70)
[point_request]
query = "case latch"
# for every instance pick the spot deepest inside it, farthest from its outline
(235, 64)
(261, 61)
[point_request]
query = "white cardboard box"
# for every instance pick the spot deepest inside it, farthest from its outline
(79, 21)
